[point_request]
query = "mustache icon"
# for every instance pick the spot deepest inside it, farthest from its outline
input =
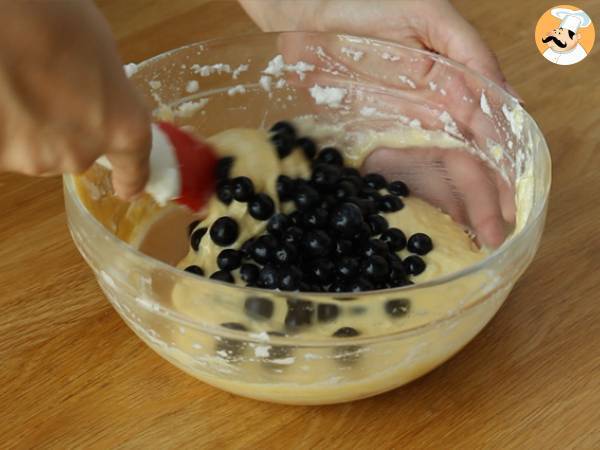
(556, 41)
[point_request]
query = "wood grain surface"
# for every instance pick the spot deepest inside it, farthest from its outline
(74, 375)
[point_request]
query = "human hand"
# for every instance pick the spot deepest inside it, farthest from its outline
(64, 98)
(432, 24)
(456, 181)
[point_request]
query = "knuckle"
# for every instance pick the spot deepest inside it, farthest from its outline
(131, 134)
(76, 164)
(32, 167)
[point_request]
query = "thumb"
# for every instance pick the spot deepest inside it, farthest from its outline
(128, 147)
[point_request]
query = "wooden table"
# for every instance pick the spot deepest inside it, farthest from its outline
(73, 375)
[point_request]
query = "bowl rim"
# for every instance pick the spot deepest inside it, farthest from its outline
(535, 215)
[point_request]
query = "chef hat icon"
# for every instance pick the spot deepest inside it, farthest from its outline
(571, 20)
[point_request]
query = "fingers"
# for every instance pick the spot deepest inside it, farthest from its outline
(507, 199)
(458, 40)
(423, 170)
(453, 180)
(128, 149)
(64, 99)
(475, 183)
(49, 151)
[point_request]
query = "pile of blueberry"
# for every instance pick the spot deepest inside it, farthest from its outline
(336, 240)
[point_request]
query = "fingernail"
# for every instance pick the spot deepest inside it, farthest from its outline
(125, 194)
(514, 93)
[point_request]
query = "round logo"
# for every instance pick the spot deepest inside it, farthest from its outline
(565, 35)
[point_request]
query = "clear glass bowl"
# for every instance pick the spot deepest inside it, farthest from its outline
(431, 321)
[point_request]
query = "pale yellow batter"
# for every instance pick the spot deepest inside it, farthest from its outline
(314, 373)
(255, 157)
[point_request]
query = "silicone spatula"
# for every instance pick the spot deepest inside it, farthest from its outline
(182, 168)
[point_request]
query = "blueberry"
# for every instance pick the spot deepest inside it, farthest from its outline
(258, 308)
(277, 224)
(338, 286)
(243, 189)
(390, 203)
(249, 273)
(195, 270)
(277, 351)
(330, 155)
(322, 270)
(414, 265)
(375, 247)
(222, 275)
(398, 307)
(329, 201)
(268, 277)
(284, 144)
(367, 207)
(345, 189)
(261, 207)
(283, 137)
(350, 172)
(284, 254)
(304, 287)
(229, 259)
(398, 281)
(395, 262)
(375, 181)
(355, 180)
(420, 244)
(234, 326)
(289, 278)
(375, 268)
(344, 247)
(299, 313)
(315, 218)
(224, 231)
(317, 243)
(305, 197)
(285, 188)
(398, 188)
(293, 235)
(295, 218)
(191, 227)
(370, 194)
(224, 191)
(197, 237)
(360, 284)
(377, 223)
(398, 277)
(346, 219)
(324, 176)
(327, 312)
(346, 354)
(262, 249)
(394, 238)
(363, 235)
(246, 248)
(346, 332)
(283, 127)
(223, 168)
(347, 267)
(308, 146)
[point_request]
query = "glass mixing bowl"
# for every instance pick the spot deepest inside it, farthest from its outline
(376, 85)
